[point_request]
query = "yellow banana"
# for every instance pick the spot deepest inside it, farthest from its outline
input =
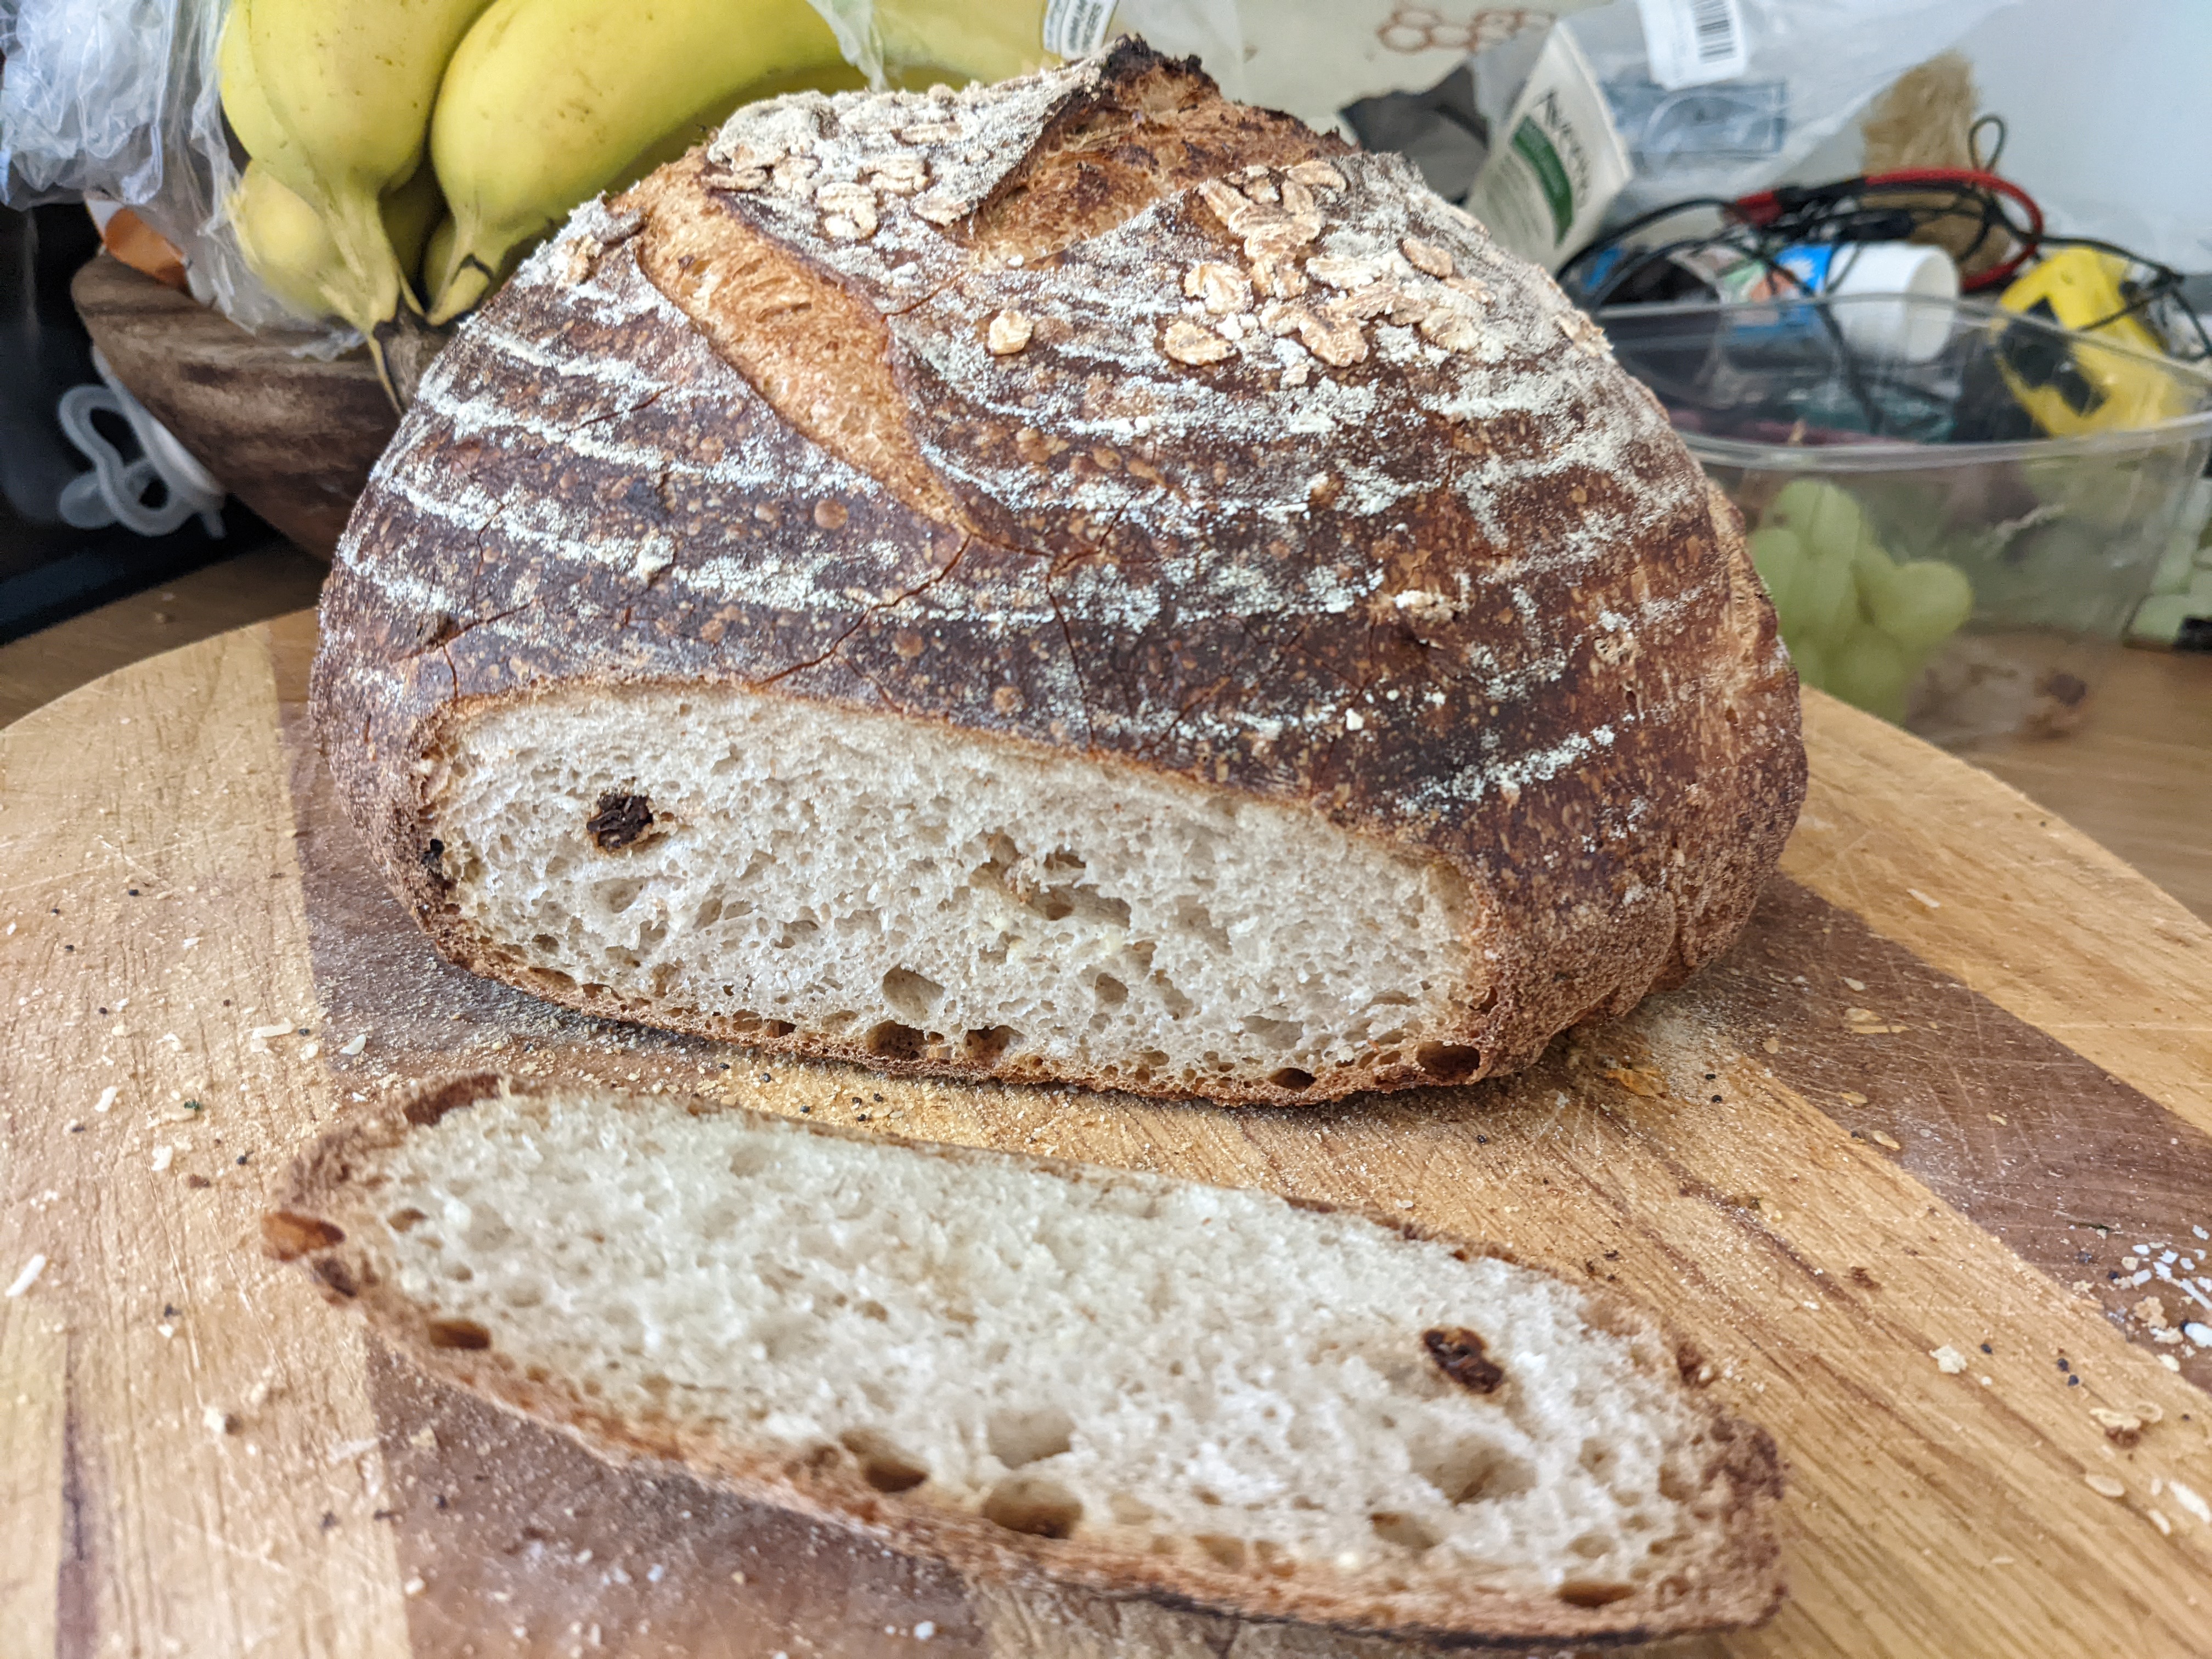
(437, 255)
(347, 86)
(283, 241)
(290, 248)
(547, 102)
(243, 106)
(409, 215)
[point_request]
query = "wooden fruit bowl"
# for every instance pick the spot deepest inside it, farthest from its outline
(292, 437)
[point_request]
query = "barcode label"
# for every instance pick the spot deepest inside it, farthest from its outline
(1073, 28)
(1691, 43)
(1717, 30)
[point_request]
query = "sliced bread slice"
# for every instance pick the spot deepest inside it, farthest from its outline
(1029, 1368)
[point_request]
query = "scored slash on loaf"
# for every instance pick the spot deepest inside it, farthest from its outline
(1030, 1369)
(1073, 580)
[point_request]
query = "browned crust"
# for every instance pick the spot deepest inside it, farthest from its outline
(1739, 1582)
(936, 594)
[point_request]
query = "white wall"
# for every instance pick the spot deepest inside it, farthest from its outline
(2110, 103)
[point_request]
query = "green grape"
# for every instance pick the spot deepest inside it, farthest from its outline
(1873, 673)
(1777, 556)
(1812, 664)
(1871, 565)
(1827, 519)
(1827, 600)
(1921, 604)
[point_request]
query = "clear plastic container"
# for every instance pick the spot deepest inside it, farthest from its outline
(1936, 558)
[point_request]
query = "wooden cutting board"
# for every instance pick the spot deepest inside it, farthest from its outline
(1895, 1164)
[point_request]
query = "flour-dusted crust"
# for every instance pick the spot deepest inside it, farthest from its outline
(1731, 1575)
(1092, 414)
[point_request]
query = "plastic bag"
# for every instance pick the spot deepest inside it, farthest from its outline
(1808, 69)
(119, 99)
(1069, 29)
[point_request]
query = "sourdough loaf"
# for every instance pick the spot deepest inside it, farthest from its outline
(1035, 1370)
(1074, 579)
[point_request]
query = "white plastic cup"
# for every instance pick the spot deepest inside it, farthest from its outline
(1914, 333)
(1856, 270)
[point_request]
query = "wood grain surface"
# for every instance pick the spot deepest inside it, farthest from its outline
(1893, 1164)
(293, 437)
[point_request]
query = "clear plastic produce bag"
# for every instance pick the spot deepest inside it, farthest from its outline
(1784, 77)
(119, 99)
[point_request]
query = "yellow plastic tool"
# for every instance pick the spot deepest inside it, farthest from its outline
(2079, 388)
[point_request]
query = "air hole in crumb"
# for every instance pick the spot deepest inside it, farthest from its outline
(911, 995)
(884, 1465)
(1109, 991)
(1291, 1077)
(1591, 1545)
(1448, 1062)
(1019, 1437)
(987, 1045)
(401, 1220)
(1592, 1592)
(889, 1040)
(620, 820)
(1277, 1034)
(1473, 1470)
(752, 1156)
(1026, 1504)
(1225, 1552)
(458, 1334)
(1129, 1511)
(777, 1028)
(1403, 1530)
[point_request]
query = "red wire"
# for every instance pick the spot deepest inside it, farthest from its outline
(1764, 208)
(1976, 179)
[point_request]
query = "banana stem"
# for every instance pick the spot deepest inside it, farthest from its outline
(461, 287)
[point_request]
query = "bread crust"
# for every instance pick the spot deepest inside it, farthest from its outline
(1736, 1580)
(1472, 599)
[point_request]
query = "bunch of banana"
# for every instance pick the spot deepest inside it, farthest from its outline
(331, 100)
(292, 251)
(550, 101)
(526, 107)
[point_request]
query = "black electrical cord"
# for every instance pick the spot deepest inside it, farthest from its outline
(1975, 158)
(2164, 281)
(1620, 234)
(1853, 210)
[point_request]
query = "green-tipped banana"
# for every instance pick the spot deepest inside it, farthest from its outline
(548, 102)
(341, 92)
